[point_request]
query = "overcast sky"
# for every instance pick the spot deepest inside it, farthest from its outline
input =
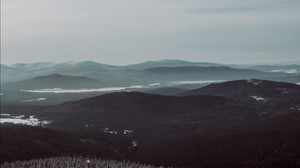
(129, 31)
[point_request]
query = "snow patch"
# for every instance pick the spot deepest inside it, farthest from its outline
(19, 120)
(33, 100)
(125, 131)
(254, 82)
(6, 115)
(107, 130)
(134, 143)
(257, 98)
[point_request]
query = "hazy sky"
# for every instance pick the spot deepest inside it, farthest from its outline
(130, 31)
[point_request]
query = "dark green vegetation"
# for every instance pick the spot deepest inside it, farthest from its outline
(27, 142)
(163, 121)
(201, 130)
(74, 162)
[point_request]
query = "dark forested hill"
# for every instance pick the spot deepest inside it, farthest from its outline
(213, 130)
(252, 91)
(27, 142)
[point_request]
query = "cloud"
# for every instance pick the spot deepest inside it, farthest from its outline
(128, 31)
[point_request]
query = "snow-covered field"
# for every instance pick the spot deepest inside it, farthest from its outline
(7, 118)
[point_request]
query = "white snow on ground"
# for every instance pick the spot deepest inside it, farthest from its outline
(125, 131)
(196, 82)
(298, 83)
(258, 98)
(18, 120)
(254, 82)
(286, 70)
(33, 100)
(6, 115)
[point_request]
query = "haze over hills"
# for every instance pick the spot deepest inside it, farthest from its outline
(219, 86)
(18, 72)
(135, 74)
(169, 63)
(55, 81)
(230, 119)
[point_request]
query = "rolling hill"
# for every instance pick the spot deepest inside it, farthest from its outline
(169, 63)
(192, 73)
(184, 131)
(252, 91)
(55, 81)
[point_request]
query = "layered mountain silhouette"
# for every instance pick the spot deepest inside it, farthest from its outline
(55, 81)
(169, 63)
(151, 71)
(244, 120)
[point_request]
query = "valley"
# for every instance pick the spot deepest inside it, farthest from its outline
(164, 113)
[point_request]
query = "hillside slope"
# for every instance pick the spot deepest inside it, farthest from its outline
(55, 81)
(252, 91)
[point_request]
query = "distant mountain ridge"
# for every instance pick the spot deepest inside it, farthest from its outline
(54, 81)
(144, 73)
(169, 63)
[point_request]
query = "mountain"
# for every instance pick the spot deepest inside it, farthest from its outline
(193, 73)
(252, 91)
(277, 68)
(184, 131)
(27, 142)
(17, 72)
(164, 71)
(127, 109)
(55, 81)
(168, 91)
(169, 63)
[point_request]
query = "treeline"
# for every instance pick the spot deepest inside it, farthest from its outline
(72, 162)
(26, 143)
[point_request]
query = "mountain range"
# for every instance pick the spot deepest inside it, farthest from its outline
(169, 112)
(135, 74)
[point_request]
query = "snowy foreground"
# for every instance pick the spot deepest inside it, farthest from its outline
(74, 162)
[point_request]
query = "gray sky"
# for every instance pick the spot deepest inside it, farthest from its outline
(129, 31)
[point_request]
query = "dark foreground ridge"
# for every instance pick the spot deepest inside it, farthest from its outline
(256, 125)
